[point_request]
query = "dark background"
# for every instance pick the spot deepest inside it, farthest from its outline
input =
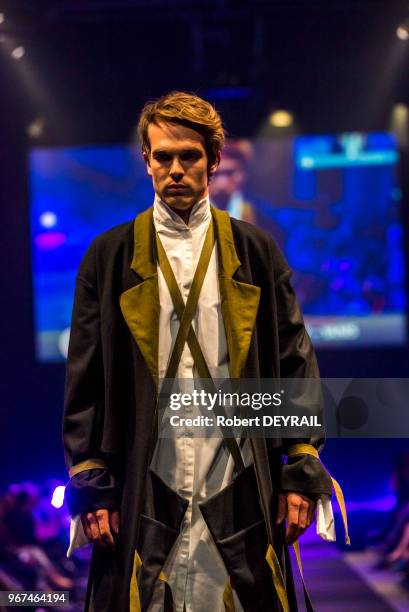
(89, 67)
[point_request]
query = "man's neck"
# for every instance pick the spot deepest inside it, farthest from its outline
(183, 214)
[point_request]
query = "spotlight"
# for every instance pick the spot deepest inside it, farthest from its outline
(48, 219)
(401, 111)
(281, 118)
(399, 124)
(18, 53)
(58, 496)
(2, 18)
(36, 128)
(402, 31)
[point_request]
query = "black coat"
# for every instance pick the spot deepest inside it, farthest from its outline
(112, 375)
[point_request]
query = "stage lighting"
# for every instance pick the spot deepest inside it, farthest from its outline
(399, 124)
(48, 219)
(36, 128)
(281, 118)
(18, 53)
(58, 497)
(402, 31)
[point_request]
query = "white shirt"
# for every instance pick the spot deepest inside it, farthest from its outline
(194, 467)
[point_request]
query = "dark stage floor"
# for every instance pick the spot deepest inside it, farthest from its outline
(348, 582)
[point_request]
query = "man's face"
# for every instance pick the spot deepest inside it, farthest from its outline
(229, 178)
(178, 164)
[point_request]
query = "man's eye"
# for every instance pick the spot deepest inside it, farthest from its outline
(162, 157)
(190, 156)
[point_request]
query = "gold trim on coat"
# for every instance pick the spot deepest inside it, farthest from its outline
(140, 304)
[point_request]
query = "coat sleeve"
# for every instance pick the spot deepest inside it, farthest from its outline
(303, 473)
(89, 489)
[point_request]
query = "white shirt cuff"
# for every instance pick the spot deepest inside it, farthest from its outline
(77, 535)
(325, 519)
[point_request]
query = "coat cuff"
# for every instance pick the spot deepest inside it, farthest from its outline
(306, 475)
(90, 490)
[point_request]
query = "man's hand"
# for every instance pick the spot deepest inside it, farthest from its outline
(299, 511)
(100, 525)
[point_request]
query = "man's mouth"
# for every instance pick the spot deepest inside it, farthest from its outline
(176, 188)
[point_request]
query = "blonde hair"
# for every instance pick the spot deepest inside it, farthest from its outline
(186, 109)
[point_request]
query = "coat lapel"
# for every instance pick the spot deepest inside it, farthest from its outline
(140, 304)
(239, 301)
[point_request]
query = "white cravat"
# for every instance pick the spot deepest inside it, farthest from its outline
(195, 467)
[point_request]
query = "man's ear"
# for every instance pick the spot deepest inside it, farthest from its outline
(215, 164)
(147, 162)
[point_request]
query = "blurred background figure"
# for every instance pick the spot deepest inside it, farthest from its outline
(228, 183)
(228, 189)
(34, 536)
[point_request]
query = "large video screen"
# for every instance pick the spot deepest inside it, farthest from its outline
(332, 203)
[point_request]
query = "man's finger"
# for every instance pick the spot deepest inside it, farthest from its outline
(302, 521)
(292, 519)
(282, 508)
(311, 514)
(93, 526)
(85, 526)
(303, 515)
(114, 520)
(300, 513)
(102, 516)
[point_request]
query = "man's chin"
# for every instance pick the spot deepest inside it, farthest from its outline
(179, 202)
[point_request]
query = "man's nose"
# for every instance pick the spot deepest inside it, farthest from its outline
(176, 169)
